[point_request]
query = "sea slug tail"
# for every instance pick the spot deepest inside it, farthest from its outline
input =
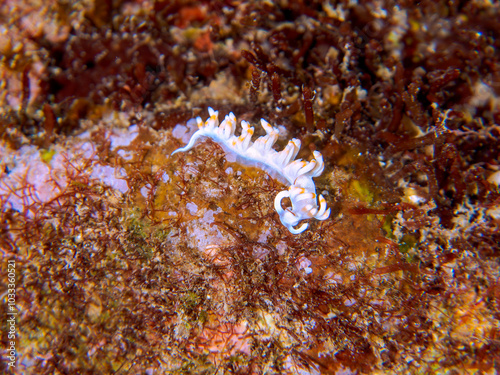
(191, 143)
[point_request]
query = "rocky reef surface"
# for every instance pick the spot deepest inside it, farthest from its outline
(131, 260)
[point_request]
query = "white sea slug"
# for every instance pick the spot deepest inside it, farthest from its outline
(297, 174)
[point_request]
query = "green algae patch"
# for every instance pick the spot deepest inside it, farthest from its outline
(406, 243)
(47, 155)
(362, 191)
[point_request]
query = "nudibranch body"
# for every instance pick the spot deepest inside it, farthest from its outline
(298, 173)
